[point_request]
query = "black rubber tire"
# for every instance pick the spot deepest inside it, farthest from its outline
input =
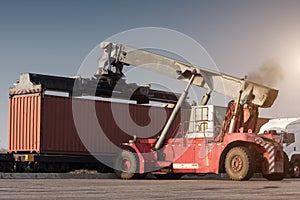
(239, 164)
(295, 169)
(127, 165)
(274, 177)
(168, 176)
(279, 176)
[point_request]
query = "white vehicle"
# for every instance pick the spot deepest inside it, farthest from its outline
(290, 125)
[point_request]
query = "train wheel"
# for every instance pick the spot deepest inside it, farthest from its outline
(126, 165)
(239, 164)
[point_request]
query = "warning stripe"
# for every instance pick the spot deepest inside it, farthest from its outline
(269, 147)
(25, 91)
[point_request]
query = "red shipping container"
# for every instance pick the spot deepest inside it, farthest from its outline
(47, 124)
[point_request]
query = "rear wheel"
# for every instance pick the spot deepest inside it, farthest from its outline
(274, 176)
(127, 165)
(239, 164)
(279, 176)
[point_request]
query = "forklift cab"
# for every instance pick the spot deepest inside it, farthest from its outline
(205, 121)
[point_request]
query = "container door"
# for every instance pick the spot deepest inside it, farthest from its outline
(24, 123)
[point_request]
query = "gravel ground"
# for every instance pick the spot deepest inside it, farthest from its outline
(106, 186)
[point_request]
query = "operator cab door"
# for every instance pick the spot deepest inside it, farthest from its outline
(204, 127)
(205, 122)
(198, 129)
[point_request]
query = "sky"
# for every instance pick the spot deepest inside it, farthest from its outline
(54, 37)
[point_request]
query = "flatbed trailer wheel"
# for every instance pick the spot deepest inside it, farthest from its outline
(239, 164)
(127, 165)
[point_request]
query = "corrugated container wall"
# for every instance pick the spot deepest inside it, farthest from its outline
(24, 123)
(61, 125)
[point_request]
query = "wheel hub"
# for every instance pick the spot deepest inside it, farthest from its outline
(125, 165)
(237, 163)
(296, 171)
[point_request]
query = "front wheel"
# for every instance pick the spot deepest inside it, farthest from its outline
(295, 171)
(127, 165)
(239, 164)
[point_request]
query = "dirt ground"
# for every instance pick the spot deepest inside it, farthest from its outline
(54, 186)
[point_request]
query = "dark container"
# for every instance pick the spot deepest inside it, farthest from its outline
(260, 122)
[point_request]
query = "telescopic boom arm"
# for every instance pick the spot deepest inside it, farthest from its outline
(115, 56)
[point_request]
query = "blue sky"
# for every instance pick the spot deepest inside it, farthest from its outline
(54, 37)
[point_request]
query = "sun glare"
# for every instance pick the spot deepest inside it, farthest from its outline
(292, 59)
